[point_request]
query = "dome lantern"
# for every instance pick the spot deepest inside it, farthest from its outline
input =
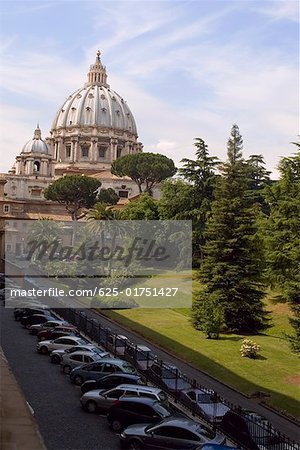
(97, 74)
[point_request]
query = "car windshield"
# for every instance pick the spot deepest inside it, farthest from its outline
(207, 398)
(98, 351)
(164, 411)
(128, 368)
(142, 356)
(205, 432)
(168, 374)
(163, 396)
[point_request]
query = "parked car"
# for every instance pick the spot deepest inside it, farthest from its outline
(19, 305)
(115, 343)
(250, 430)
(76, 359)
(56, 355)
(172, 433)
(133, 410)
(103, 399)
(168, 376)
(139, 355)
(96, 371)
(34, 329)
(52, 333)
(26, 312)
(46, 347)
(215, 447)
(34, 319)
(204, 402)
(111, 381)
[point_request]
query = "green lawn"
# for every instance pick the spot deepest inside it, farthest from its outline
(276, 372)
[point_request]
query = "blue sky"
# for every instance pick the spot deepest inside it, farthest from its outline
(186, 68)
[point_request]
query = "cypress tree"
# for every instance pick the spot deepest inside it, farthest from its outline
(231, 270)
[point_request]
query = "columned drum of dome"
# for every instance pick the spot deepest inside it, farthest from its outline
(93, 127)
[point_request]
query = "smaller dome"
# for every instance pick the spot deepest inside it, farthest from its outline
(36, 145)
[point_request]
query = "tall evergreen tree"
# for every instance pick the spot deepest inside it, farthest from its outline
(231, 268)
(282, 238)
(259, 180)
(201, 175)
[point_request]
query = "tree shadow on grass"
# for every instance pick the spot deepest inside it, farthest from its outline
(231, 338)
(207, 365)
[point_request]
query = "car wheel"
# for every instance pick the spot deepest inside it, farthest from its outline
(78, 380)
(55, 359)
(44, 350)
(34, 332)
(27, 326)
(66, 369)
(91, 406)
(134, 444)
(116, 425)
(41, 338)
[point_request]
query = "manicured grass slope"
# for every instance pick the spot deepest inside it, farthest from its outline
(276, 372)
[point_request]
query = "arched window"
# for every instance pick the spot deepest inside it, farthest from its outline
(36, 166)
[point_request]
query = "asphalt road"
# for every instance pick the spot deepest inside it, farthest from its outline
(55, 401)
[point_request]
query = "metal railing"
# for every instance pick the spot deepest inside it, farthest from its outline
(223, 416)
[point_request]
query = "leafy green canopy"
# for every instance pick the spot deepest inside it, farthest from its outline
(143, 208)
(108, 196)
(76, 192)
(147, 169)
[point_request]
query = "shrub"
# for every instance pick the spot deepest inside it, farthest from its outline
(249, 349)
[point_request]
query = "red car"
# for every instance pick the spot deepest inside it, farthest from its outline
(56, 332)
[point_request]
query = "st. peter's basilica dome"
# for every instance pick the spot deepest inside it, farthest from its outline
(93, 127)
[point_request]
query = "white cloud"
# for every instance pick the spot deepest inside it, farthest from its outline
(280, 9)
(214, 83)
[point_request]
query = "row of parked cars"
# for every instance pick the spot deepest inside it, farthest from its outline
(114, 386)
(140, 413)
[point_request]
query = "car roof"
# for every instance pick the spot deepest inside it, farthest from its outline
(144, 400)
(199, 391)
(122, 375)
(150, 389)
(142, 348)
(110, 360)
(74, 338)
(182, 422)
(82, 352)
(38, 315)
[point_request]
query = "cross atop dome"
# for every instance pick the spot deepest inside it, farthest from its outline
(97, 74)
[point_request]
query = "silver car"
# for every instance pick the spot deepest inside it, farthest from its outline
(64, 342)
(34, 329)
(205, 402)
(75, 359)
(57, 355)
(103, 399)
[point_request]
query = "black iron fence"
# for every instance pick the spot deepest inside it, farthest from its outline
(247, 429)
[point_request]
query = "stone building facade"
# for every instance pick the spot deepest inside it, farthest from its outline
(93, 127)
